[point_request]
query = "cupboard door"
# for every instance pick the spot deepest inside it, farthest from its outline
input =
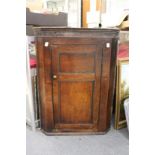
(76, 72)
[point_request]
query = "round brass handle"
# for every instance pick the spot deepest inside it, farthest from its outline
(54, 76)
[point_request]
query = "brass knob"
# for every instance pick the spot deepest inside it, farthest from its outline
(54, 76)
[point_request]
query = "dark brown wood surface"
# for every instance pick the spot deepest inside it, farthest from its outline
(76, 78)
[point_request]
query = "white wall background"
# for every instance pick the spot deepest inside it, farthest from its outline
(74, 13)
(72, 7)
(114, 10)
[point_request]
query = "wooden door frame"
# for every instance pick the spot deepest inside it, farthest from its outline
(90, 126)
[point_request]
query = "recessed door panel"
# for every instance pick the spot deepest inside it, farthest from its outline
(76, 101)
(85, 61)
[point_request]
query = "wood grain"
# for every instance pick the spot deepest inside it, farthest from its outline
(68, 63)
(76, 98)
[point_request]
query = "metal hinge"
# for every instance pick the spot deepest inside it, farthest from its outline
(107, 45)
(46, 44)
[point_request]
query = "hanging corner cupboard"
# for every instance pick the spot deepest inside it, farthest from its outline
(76, 74)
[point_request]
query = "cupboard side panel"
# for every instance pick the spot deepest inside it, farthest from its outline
(44, 90)
(106, 59)
(112, 80)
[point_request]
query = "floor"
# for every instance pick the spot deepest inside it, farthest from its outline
(115, 142)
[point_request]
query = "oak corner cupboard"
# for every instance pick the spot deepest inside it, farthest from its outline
(76, 73)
